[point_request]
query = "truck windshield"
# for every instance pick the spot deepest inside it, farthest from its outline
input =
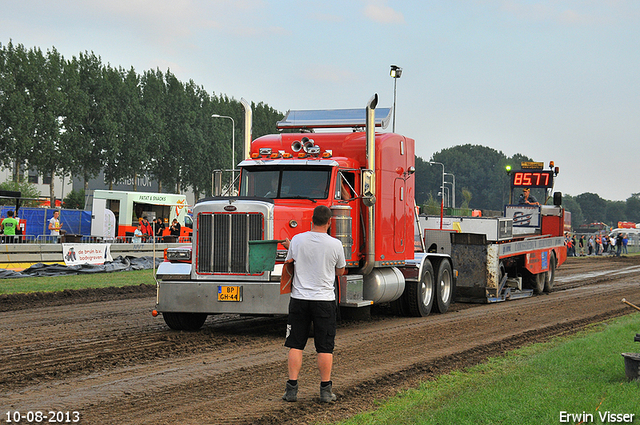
(286, 182)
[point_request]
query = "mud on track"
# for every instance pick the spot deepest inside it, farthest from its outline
(104, 355)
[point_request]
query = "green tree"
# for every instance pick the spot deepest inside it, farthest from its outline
(570, 204)
(479, 169)
(125, 126)
(466, 195)
(633, 208)
(593, 207)
(48, 102)
(83, 137)
(615, 212)
(26, 189)
(154, 97)
(18, 121)
(75, 200)
(431, 206)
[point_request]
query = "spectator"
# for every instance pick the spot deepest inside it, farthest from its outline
(569, 243)
(619, 242)
(625, 241)
(137, 235)
(175, 228)
(55, 225)
(147, 230)
(318, 259)
(9, 227)
(159, 229)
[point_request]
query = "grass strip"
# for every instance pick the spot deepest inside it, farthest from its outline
(81, 281)
(582, 374)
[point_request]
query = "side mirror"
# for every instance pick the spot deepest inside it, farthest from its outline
(557, 198)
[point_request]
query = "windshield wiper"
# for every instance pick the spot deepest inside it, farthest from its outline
(301, 197)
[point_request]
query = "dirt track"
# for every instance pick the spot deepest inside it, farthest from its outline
(102, 353)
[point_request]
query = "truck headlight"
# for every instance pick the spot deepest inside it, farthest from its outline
(178, 254)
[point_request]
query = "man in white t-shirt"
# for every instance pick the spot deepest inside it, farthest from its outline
(54, 224)
(318, 259)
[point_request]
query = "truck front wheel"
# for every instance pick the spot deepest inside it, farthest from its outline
(184, 321)
(420, 295)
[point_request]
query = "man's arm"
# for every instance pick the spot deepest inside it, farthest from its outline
(339, 271)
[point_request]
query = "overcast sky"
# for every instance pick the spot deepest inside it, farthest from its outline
(553, 80)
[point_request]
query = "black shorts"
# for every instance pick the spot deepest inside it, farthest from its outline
(323, 316)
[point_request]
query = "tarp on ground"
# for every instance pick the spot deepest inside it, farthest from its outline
(74, 222)
(119, 264)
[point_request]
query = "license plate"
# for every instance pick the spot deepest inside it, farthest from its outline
(230, 293)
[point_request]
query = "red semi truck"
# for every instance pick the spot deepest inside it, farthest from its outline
(365, 177)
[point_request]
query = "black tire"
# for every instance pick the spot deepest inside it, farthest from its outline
(400, 306)
(502, 271)
(444, 286)
(172, 320)
(184, 321)
(551, 274)
(420, 295)
(536, 282)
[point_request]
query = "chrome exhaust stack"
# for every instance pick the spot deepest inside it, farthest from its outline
(248, 121)
(369, 185)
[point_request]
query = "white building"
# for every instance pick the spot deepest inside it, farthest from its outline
(61, 186)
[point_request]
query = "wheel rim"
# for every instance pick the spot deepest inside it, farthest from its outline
(426, 291)
(445, 286)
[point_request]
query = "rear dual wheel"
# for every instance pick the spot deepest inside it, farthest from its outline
(444, 287)
(418, 296)
(551, 274)
(433, 291)
(536, 282)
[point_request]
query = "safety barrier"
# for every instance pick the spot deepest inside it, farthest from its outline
(31, 253)
(49, 239)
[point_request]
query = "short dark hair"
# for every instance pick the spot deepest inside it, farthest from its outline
(10, 213)
(321, 215)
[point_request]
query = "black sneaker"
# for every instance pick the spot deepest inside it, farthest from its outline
(291, 393)
(326, 395)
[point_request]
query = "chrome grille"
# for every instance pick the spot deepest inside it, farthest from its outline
(223, 241)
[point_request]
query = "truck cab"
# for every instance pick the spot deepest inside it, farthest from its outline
(366, 179)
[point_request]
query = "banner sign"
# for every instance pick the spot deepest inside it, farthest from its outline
(523, 215)
(77, 253)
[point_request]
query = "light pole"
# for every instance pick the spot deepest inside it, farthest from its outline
(447, 194)
(442, 193)
(453, 189)
(395, 73)
(233, 145)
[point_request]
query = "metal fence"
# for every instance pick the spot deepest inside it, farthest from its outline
(48, 239)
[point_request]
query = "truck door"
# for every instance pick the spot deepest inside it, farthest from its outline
(400, 216)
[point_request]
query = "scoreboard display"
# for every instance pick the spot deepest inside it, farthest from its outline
(530, 179)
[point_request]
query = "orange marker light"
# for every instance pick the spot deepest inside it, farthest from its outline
(154, 313)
